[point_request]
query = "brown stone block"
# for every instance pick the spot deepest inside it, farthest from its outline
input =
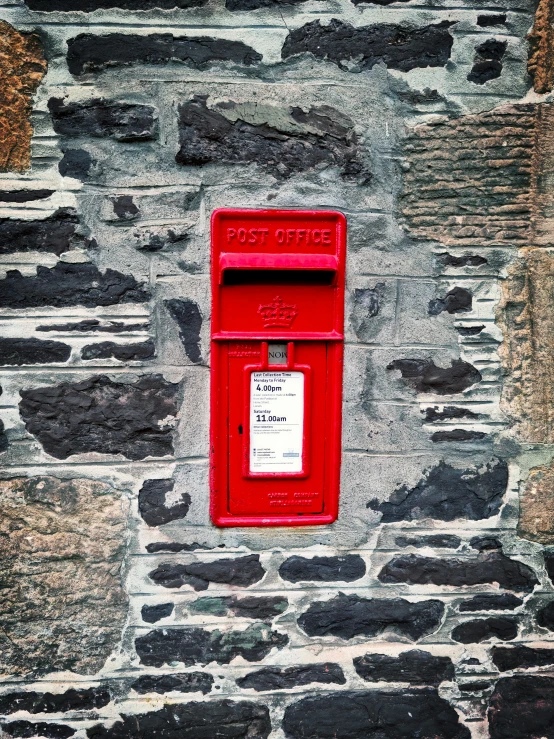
(526, 317)
(22, 67)
(61, 548)
(536, 507)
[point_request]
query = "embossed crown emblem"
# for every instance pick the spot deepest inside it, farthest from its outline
(277, 314)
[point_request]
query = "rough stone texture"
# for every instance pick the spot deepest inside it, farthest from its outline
(222, 719)
(349, 615)
(90, 53)
(75, 163)
(536, 509)
(399, 47)
(545, 616)
(153, 614)
(526, 354)
(88, 6)
(325, 137)
(24, 196)
(511, 658)
(153, 506)
(32, 351)
(283, 104)
(469, 178)
(92, 325)
(522, 707)
(185, 682)
(55, 234)
(99, 118)
(122, 352)
(384, 714)
(82, 699)
(195, 646)
(262, 607)
(490, 567)
(63, 605)
(487, 65)
(187, 316)
(502, 602)
(100, 415)
(69, 284)
(457, 300)
(446, 541)
(276, 678)
(541, 48)
(447, 493)
(22, 67)
(323, 569)
(415, 667)
(241, 572)
(424, 376)
(40, 728)
(482, 629)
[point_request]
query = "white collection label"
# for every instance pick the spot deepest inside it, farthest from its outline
(276, 421)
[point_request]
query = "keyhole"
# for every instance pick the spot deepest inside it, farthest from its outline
(240, 429)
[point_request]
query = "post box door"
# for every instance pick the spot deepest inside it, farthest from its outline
(277, 419)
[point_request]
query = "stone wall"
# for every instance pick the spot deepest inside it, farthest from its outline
(427, 609)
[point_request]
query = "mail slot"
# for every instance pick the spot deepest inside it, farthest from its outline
(276, 366)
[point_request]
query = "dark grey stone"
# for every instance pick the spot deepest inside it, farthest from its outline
(187, 316)
(26, 729)
(458, 435)
(416, 667)
(487, 65)
(81, 699)
(545, 616)
(223, 719)
(489, 567)
(99, 118)
(401, 47)
(184, 682)
(88, 52)
(376, 714)
(69, 284)
(482, 629)
(486, 602)
(153, 614)
(522, 707)
(444, 541)
(100, 415)
(424, 376)
(432, 415)
(55, 234)
(277, 678)
(124, 208)
(207, 136)
(239, 571)
(88, 6)
(32, 351)
(347, 568)
(196, 646)
(457, 300)
(512, 658)
(447, 493)
(92, 325)
(123, 352)
(23, 196)
(152, 503)
(75, 163)
(349, 615)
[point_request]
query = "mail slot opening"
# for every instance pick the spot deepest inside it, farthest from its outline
(297, 277)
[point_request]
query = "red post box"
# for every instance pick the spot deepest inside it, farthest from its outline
(276, 378)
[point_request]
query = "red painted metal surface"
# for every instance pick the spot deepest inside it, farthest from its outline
(277, 288)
